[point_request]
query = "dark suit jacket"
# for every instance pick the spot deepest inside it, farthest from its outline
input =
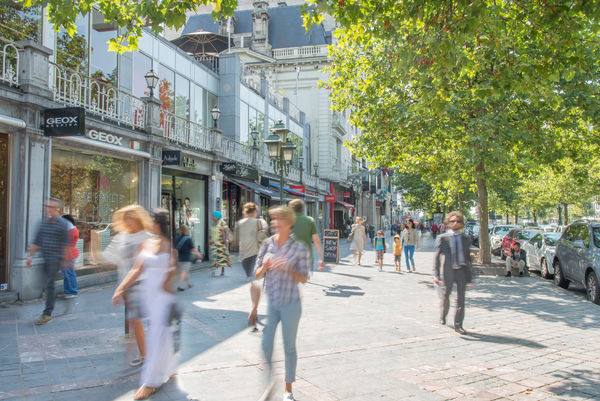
(443, 246)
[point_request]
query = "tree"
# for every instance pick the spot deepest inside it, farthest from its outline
(490, 80)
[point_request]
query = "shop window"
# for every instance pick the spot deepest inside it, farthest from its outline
(18, 23)
(103, 63)
(72, 51)
(92, 187)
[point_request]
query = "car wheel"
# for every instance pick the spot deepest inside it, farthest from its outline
(593, 288)
(559, 280)
(545, 273)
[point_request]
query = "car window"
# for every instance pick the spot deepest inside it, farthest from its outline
(502, 231)
(583, 234)
(536, 239)
(551, 238)
(570, 233)
(596, 235)
(511, 233)
(524, 234)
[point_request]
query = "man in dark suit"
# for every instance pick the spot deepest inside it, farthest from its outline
(454, 246)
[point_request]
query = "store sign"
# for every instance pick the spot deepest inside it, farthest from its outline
(298, 188)
(188, 162)
(171, 157)
(330, 198)
(228, 168)
(239, 170)
(104, 137)
(66, 121)
(346, 194)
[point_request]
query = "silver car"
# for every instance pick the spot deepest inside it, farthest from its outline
(540, 252)
(496, 236)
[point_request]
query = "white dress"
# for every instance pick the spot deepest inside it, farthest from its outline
(160, 363)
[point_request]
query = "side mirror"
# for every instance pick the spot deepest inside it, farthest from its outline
(578, 244)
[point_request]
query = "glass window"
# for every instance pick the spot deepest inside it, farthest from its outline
(103, 63)
(197, 104)
(570, 233)
(551, 238)
(72, 52)
(141, 65)
(583, 234)
(596, 234)
(125, 72)
(245, 126)
(92, 187)
(166, 92)
(18, 23)
(182, 96)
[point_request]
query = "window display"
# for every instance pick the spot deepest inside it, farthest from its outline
(92, 187)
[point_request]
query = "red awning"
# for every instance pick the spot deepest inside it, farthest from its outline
(346, 205)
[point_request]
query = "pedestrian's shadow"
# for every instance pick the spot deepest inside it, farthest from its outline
(478, 337)
(343, 291)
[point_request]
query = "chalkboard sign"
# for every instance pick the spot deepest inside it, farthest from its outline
(331, 250)
(331, 233)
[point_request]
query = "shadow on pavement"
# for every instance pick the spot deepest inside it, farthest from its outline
(501, 340)
(343, 291)
(585, 382)
(367, 278)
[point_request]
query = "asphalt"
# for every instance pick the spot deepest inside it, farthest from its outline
(364, 335)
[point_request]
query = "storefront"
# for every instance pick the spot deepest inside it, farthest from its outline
(4, 209)
(184, 193)
(93, 184)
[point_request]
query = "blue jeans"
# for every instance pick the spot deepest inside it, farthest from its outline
(69, 280)
(409, 252)
(289, 315)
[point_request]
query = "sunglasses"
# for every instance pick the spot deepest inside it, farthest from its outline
(454, 221)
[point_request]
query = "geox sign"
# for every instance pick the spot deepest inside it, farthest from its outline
(67, 121)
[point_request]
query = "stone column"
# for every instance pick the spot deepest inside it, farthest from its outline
(34, 68)
(229, 95)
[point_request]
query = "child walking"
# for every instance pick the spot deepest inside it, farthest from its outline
(380, 248)
(397, 253)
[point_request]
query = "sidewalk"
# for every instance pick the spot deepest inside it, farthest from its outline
(364, 335)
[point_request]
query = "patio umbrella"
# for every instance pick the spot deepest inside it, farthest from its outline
(201, 42)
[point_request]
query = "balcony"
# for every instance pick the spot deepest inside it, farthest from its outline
(10, 63)
(185, 132)
(301, 52)
(76, 90)
(339, 122)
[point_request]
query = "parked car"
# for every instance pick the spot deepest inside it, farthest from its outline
(519, 235)
(496, 235)
(540, 252)
(473, 233)
(577, 258)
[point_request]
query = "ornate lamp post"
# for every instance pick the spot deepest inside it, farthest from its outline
(281, 152)
(254, 135)
(151, 81)
(300, 160)
(215, 113)
(316, 167)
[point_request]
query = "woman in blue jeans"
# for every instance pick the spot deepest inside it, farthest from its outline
(410, 240)
(283, 262)
(68, 271)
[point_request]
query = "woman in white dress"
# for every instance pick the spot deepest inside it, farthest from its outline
(358, 241)
(154, 265)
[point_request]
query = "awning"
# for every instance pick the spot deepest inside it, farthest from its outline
(255, 186)
(293, 191)
(346, 205)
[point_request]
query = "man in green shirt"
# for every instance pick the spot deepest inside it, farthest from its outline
(305, 231)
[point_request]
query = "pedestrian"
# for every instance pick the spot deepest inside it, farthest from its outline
(157, 261)
(380, 248)
(184, 245)
(393, 229)
(52, 239)
(442, 228)
(68, 271)
(410, 241)
(251, 232)
(283, 262)
(516, 258)
(397, 252)
(219, 241)
(305, 231)
(454, 246)
(372, 234)
(133, 226)
(359, 237)
(434, 230)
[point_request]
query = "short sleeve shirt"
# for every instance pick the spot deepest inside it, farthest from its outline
(303, 230)
(185, 250)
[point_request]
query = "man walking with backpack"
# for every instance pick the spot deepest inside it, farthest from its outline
(251, 232)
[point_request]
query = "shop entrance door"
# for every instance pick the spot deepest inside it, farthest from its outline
(3, 208)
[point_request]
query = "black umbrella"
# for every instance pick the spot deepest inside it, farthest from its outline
(202, 42)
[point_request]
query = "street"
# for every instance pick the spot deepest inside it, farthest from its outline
(364, 335)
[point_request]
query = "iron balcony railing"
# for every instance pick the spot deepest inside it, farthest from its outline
(187, 133)
(99, 98)
(10, 62)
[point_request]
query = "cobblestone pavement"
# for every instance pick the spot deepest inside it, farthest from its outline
(364, 335)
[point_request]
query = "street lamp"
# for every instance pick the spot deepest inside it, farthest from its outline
(300, 160)
(254, 135)
(151, 81)
(281, 152)
(215, 113)
(316, 167)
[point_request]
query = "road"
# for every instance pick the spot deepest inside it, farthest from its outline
(364, 335)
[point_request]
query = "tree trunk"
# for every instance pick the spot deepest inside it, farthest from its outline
(534, 217)
(516, 217)
(484, 235)
(461, 204)
(507, 222)
(565, 213)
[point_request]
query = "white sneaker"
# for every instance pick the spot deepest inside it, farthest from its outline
(288, 397)
(70, 296)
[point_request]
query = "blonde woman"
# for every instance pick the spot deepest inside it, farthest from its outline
(283, 262)
(134, 226)
(358, 241)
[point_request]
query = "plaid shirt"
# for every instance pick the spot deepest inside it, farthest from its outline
(280, 286)
(52, 236)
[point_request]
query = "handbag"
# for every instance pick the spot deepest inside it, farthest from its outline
(351, 236)
(261, 235)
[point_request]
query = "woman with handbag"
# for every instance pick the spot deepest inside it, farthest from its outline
(359, 236)
(185, 247)
(156, 261)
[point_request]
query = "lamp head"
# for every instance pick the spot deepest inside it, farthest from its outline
(274, 144)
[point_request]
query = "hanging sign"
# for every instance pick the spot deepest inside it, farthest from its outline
(330, 198)
(298, 188)
(66, 121)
